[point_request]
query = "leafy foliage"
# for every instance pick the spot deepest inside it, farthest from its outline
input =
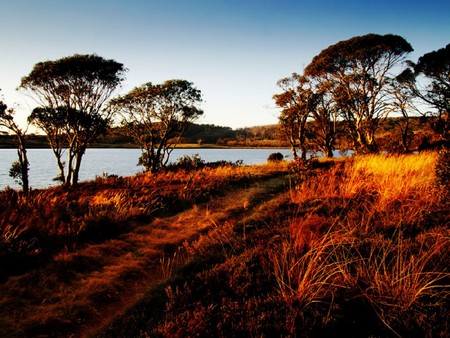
(71, 93)
(155, 116)
(356, 73)
(275, 157)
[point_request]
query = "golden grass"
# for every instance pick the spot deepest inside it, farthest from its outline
(366, 228)
(390, 176)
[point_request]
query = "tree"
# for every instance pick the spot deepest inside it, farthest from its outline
(71, 93)
(19, 169)
(297, 102)
(53, 123)
(155, 115)
(403, 103)
(356, 72)
(323, 123)
(429, 79)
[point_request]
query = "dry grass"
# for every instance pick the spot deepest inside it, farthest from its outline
(358, 247)
(82, 250)
(375, 229)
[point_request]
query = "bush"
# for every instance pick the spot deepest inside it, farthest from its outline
(190, 163)
(443, 167)
(275, 157)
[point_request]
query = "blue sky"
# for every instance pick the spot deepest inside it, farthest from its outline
(234, 51)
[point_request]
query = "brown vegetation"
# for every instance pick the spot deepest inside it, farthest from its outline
(355, 247)
(71, 258)
(358, 248)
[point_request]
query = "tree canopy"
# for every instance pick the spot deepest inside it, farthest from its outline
(155, 115)
(357, 72)
(71, 93)
(435, 66)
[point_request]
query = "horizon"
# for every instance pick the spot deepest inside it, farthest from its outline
(234, 52)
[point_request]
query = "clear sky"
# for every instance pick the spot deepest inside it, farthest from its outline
(234, 51)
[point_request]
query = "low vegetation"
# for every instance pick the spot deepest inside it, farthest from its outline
(356, 246)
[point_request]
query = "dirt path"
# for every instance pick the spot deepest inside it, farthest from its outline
(166, 234)
(115, 274)
(149, 242)
(79, 293)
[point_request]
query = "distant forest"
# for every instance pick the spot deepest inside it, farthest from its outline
(268, 136)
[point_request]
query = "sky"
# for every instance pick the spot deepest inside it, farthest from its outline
(234, 51)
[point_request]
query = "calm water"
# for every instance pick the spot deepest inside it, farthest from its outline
(120, 162)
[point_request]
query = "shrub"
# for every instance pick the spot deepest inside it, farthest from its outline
(275, 157)
(443, 167)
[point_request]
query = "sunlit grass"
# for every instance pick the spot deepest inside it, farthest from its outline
(365, 229)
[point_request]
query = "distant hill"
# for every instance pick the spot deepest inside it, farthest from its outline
(209, 135)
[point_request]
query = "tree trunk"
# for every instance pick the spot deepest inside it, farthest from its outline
(76, 169)
(61, 176)
(23, 161)
(405, 132)
(69, 177)
(329, 153)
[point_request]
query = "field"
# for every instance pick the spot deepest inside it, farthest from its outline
(356, 246)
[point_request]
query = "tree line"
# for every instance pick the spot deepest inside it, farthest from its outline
(346, 92)
(74, 108)
(359, 82)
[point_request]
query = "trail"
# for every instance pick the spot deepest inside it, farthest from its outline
(81, 292)
(142, 251)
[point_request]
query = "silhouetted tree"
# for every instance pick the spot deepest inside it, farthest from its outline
(429, 79)
(155, 115)
(71, 93)
(19, 169)
(356, 72)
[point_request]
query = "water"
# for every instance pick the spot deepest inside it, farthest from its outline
(121, 162)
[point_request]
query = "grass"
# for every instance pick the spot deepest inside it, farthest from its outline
(359, 247)
(355, 247)
(98, 246)
(369, 229)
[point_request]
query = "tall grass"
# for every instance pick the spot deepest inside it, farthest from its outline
(374, 229)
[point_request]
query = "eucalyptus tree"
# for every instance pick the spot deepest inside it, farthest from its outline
(429, 79)
(297, 101)
(404, 104)
(357, 72)
(323, 122)
(19, 169)
(71, 93)
(155, 115)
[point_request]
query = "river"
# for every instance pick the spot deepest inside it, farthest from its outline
(116, 161)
